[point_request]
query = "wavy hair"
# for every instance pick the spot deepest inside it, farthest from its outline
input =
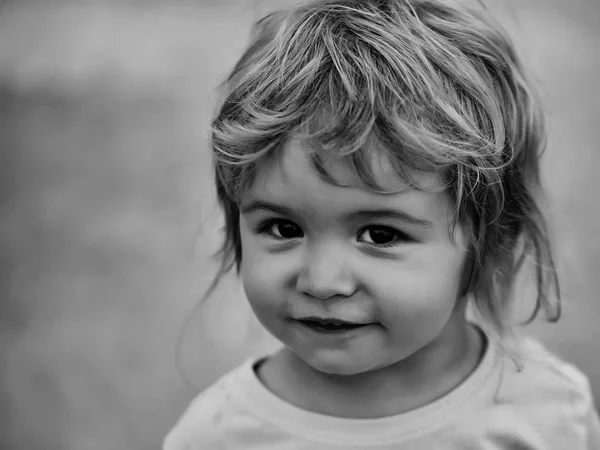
(433, 86)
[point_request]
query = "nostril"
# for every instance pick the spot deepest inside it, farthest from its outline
(325, 286)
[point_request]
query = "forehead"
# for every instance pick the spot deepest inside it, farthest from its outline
(295, 158)
(385, 175)
(291, 178)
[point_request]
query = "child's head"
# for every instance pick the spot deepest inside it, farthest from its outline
(416, 105)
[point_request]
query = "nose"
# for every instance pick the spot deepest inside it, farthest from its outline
(325, 273)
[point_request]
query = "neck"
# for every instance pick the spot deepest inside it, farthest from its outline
(425, 376)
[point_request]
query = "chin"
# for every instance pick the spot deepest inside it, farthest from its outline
(338, 365)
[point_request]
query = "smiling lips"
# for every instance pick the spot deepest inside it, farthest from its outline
(330, 324)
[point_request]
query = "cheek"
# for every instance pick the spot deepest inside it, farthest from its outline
(421, 291)
(251, 269)
(261, 273)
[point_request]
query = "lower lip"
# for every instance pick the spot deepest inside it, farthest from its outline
(336, 332)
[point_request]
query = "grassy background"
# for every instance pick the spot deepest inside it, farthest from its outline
(107, 216)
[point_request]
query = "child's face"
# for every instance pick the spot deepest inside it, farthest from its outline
(384, 262)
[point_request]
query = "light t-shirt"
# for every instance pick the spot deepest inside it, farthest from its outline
(541, 403)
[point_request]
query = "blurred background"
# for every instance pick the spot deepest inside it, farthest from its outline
(107, 216)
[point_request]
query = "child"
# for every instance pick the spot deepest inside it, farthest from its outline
(377, 164)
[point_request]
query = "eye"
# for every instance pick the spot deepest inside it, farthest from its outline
(382, 236)
(281, 229)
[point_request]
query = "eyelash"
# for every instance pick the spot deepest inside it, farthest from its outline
(399, 237)
(265, 227)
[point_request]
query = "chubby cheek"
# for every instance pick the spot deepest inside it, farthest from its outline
(263, 278)
(416, 302)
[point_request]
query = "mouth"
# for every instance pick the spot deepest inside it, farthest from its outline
(331, 325)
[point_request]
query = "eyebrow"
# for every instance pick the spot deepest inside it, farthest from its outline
(257, 205)
(361, 215)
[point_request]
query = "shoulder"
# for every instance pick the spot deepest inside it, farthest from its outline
(546, 399)
(201, 424)
(536, 374)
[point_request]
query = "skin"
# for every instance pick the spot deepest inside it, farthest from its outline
(400, 277)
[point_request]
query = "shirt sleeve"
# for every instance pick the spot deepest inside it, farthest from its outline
(593, 429)
(591, 419)
(172, 443)
(580, 415)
